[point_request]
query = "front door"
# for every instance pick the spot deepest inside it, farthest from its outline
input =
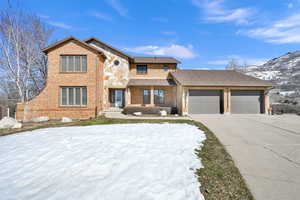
(119, 98)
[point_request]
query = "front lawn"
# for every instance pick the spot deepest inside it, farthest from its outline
(219, 178)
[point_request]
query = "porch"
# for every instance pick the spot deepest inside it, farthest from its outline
(144, 93)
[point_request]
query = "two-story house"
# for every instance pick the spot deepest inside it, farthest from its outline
(87, 77)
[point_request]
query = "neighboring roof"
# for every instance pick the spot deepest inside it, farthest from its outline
(49, 48)
(166, 60)
(151, 82)
(107, 45)
(217, 78)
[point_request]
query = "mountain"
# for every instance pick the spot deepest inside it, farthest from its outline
(284, 71)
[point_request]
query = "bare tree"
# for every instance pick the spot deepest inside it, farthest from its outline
(232, 64)
(24, 66)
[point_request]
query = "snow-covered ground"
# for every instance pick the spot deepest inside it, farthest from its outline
(107, 162)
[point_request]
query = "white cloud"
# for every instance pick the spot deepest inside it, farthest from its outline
(59, 24)
(280, 32)
(116, 4)
(102, 16)
(214, 11)
(239, 59)
(175, 50)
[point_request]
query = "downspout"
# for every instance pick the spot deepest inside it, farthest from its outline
(97, 86)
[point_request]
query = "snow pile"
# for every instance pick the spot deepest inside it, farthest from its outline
(163, 113)
(128, 161)
(66, 119)
(8, 122)
(41, 119)
(137, 114)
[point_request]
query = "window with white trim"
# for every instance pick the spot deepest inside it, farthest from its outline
(73, 63)
(73, 96)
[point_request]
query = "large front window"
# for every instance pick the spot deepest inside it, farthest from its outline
(141, 69)
(146, 96)
(73, 63)
(159, 96)
(73, 96)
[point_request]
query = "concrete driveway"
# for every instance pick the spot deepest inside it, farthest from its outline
(266, 149)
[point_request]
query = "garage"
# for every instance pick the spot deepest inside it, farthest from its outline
(205, 101)
(246, 101)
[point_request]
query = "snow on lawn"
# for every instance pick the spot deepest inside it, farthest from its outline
(107, 162)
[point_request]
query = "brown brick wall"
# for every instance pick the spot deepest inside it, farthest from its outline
(47, 103)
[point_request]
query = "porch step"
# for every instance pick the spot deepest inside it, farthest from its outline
(113, 110)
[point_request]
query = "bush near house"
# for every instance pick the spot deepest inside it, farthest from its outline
(148, 110)
(278, 109)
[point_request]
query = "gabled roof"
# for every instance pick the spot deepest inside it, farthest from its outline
(151, 82)
(68, 39)
(217, 78)
(108, 46)
(165, 60)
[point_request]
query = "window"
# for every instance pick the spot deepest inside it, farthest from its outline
(116, 62)
(166, 67)
(73, 96)
(159, 96)
(141, 69)
(146, 96)
(73, 63)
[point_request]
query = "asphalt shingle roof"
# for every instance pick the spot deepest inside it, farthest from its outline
(217, 78)
(166, 60)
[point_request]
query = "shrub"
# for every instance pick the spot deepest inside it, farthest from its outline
(146, 110)
(285, 108)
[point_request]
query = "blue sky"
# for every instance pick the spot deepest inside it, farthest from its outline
(200, 33)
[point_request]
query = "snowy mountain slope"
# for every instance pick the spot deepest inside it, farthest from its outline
(284, 71)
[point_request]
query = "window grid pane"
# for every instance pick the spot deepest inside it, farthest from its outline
(64, 96)
(83, 64)
(77, 96)
(84, 95)
(146, 96)
(71, 96)
(63, 63)
(77, 64)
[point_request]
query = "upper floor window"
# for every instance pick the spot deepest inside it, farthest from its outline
(166, 67)
(141, 69)
(73, 63)
(116, 62)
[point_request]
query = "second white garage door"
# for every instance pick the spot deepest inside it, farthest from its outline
(204, 101)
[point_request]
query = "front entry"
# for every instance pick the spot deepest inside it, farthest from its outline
(117, 98)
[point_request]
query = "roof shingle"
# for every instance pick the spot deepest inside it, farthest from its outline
(217, 78)
(166, 60)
